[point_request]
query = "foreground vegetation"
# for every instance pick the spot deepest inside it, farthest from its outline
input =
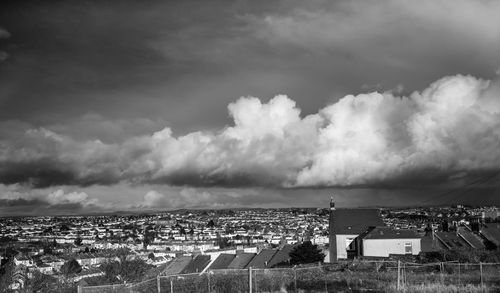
(429, 272)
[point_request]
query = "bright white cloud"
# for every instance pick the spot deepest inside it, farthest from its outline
(46, 197)
(60, 197)
(190, 197)
(453, 126)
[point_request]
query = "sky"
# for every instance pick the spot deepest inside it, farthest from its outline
(150, 105)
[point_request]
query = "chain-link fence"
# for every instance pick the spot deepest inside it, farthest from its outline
(484, 276)
(354, 276)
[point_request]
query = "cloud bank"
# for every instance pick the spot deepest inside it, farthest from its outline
(452, 127)
(17, 199)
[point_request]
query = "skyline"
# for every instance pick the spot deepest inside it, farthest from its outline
(126, 106)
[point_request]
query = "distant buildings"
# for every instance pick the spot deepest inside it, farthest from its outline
(491, 213)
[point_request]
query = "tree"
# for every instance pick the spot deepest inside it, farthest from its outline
(134, 270)
(306, 253)
(41, 282)
(6, 274)
(222, 242)
(78, 241)
(71, 267)
(129, 270)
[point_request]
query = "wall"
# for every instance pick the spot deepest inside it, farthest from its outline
(342, 244)
(384, 247)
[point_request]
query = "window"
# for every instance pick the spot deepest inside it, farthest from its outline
(408, 248)
(350, 244)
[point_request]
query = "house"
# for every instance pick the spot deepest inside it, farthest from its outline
(345, 226)
(197, 264)
(491, 232)
(176, 265)
(451, 240)
(24, 260)
(473, 240)
(385, 241)
(281, 257)
(157, 261)
(241, 260)
(222, 261)
(261, 260)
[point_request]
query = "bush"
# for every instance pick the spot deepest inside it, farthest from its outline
(306, 253)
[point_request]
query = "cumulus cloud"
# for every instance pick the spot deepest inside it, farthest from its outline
(60, 197)
(3, 56)
(188, 197)
(4, 34)
(451, 127)
(18, 199)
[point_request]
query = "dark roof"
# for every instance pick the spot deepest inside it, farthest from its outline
(389, 233)
(354, 221)
(471, 238)
(241, 260)
(451, 240)
(282, 256)
(427, 244)
(261, 260)
(222, 262)
(197, 265)
(176, 265)
(492, 233)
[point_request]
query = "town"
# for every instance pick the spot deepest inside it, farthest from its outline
(78, 248)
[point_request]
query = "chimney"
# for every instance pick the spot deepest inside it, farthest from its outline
(332, 204)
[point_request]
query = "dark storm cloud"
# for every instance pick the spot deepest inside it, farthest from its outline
(181, 62)
(20, 202)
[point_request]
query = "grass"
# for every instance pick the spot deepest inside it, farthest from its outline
(340, 278)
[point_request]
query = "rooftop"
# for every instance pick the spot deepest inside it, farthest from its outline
(389, 233)
(354, 221)
(222, 262)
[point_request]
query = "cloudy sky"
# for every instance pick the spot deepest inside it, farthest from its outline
(143, 105)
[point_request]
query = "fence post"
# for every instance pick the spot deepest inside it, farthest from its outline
(172, 285)
(399, 276)
(250, 279)
(158, 285)
(441, 267)
(208, 277)
(459, 277)
(481, 274)
(403, 283)
(326, 284)
(79, 289)
(295, 277)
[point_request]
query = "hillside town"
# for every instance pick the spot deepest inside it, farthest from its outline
(194, 241)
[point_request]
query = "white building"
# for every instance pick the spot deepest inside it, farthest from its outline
(345, 227)
(385, 241)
